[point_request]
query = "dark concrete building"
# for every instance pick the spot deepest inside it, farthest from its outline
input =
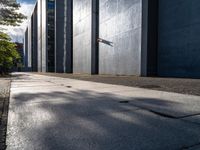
(178, 38)
(54, 36)
(25, 61)
(34, 47)
(119, 37)
(63, 36)
(46, 29)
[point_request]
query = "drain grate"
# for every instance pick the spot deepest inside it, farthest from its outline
(124, 102)
(150, 86)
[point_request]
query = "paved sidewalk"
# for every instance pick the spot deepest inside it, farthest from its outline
(59, 113)
(4, 96)
(178, 85)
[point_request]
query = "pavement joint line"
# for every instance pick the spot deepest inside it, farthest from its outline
(188, 116)
(159, 113)
(189, 147)
(163, 114)
(192, 122)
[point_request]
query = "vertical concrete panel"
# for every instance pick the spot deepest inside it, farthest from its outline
(144, 38)
(34, 40)
(29, 46)
(63, 36)
(26, 49)
(150, 31)
(95, 36)
(69, 37)
(60, 34)
(44, 36)
(39, 34)
(82, 11)
(50, 36)
(179, 36)
(120, 28)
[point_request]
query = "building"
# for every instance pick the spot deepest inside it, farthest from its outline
(34, 39)
(118, 37)
(25, 61)
(46, 35)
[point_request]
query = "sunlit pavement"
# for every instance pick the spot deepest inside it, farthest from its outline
(58, 113)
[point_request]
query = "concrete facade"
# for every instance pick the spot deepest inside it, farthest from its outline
(63, 36)
(132, 37)
(179, 36)
(26, 49)
(120, 24)
(27, 62)
(29, 52)
(43, 36)
(120, 46)
(82, 36)
(34, 39)
(39, 35)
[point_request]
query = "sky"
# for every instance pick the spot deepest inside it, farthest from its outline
(17, 33)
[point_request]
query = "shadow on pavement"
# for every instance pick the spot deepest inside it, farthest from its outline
(98, 121)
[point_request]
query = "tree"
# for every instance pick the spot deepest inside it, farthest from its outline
(8, 53)
(9, 14)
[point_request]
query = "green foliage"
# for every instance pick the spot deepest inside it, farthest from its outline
(9, 14)
(4, 36)
(8, 53)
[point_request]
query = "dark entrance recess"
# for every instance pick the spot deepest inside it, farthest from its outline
(69, 57)
(51, 36)
(152, 38)
(69, 37)
(95, 36)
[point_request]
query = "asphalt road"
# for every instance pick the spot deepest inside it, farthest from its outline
(48, 113)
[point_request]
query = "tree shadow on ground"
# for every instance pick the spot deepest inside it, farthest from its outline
(88, 120)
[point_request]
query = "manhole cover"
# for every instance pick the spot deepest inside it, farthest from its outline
(150, 86)
(124, 102)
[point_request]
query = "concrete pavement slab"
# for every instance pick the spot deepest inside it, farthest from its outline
(167, 103)
(58, 117)
(196, 147)
(194, 119)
